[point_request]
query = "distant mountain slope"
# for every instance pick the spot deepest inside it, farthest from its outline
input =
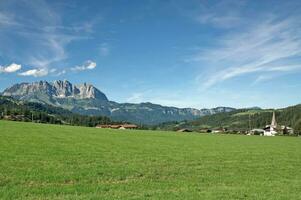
(243, 119)
(88, 100)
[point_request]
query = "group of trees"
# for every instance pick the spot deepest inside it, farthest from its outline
(25, 111)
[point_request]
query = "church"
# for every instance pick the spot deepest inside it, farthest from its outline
(271, 130)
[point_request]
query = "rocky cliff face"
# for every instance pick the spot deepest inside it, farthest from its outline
(88, 100)
(57, 89)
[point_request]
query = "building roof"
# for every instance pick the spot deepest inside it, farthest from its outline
(184, 130)
(257, 130)
(116, 126)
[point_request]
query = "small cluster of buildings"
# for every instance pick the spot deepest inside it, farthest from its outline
(118, 126)
(269, 130)
(272, 129)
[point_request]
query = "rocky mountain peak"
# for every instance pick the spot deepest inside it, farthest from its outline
(57, 89)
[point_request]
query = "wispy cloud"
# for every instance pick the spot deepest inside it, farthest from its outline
(136, 97)
(258, 48)
(57, 72)
(88, 65)
(7, 19)
(176, 99)
(224, 14)
(10, 68)
(104, 50)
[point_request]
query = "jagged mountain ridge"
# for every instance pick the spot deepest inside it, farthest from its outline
(57, 89)
(87, 99)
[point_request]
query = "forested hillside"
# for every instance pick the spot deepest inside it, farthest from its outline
(242, 119)
(12, 109)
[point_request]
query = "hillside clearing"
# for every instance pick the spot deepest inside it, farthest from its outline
(39, 161)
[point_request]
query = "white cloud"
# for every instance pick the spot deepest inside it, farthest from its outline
(10, 68)
(35, 72)
(89, 65)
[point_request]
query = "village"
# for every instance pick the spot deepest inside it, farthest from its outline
(272, 129)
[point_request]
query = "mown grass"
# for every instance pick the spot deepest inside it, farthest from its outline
(39, 161)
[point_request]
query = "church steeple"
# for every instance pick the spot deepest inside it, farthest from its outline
(274, 123)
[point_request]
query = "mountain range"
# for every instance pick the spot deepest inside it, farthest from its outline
(88, 100)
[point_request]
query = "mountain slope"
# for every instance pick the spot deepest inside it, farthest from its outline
(18, 110)
(88, 100)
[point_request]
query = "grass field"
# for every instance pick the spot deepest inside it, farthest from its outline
(39, 161)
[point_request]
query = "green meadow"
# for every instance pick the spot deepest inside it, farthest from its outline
(39, 161)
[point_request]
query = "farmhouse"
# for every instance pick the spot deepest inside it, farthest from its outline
(118, 126)
(184, 130)
(287, 130)
(256, 131)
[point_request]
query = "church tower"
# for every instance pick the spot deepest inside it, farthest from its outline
(274, 123)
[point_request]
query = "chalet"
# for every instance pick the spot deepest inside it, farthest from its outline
(256, 131)
(14, 117)
(287, 130)
(184, 130)
(205, 130)
(219, 130)
(118, 126)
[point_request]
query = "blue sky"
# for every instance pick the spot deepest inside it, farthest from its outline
(193, 53)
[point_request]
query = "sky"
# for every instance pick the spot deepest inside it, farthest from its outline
(196, 53)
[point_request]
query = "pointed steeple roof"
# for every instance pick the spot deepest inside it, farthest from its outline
(274, 123)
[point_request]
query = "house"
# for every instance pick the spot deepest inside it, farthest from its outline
(129, 126)
(103, 126)
(256, 131)
(205, 130)
(184, 130)
(287, 130)
(118, 126)
(14, 117)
